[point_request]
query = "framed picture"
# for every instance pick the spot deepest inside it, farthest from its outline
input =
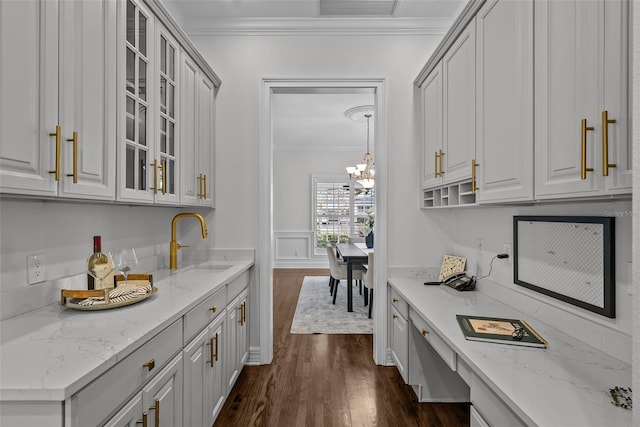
(568, 258)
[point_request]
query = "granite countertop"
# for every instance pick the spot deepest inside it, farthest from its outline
(51, 353)
(566, 384)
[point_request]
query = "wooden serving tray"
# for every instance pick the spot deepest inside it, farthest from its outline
(72, 298)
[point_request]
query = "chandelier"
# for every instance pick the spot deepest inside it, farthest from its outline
(363, 173)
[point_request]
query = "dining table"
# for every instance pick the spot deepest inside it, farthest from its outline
(354, 254)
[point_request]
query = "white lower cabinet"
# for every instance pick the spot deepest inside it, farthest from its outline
(237, 348)
(158, 404)
(205, 388)
(399, 335)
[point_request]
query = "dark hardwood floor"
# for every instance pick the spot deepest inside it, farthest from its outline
(325, 380)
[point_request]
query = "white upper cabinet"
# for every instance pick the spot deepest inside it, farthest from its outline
(581, 105)
(198, 115)
(432, 128)
(58, 108)
(504, 76)
(87, 98)
(459, 102)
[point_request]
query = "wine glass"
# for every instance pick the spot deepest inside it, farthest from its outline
(124, 260)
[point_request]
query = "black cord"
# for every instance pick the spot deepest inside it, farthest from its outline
(490, 268)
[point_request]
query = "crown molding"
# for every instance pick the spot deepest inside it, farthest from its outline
(316, 26)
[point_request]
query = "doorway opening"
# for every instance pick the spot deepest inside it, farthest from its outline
(271, 88)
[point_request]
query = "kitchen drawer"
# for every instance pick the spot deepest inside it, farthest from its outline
(492, 409)
(238, 285)
(107, 393)
(448, 355)
(399, 303)
(200, 316)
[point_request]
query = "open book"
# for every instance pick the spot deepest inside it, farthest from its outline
(498, 330)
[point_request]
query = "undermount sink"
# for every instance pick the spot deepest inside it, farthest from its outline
(211, 267)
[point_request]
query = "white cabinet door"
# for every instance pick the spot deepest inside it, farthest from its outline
(231, 355)
(399, 342)
(167, 145)
(87, 99)
(162, 397)
(204, 382)
(580, 71)
(135, 104)
(198, 115)
(459, 130)
(206, 141)
(130, 415)
(504, 70)
(432, 128)
(242, 338)
(29, 96)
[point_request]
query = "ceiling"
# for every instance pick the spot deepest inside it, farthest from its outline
(313, 119)
(378, 16)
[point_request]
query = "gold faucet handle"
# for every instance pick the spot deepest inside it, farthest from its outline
(182, 246)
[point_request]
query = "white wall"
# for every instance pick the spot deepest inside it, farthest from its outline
(293, 204)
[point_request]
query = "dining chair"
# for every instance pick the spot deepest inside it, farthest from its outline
(339, 272)
(368, 283)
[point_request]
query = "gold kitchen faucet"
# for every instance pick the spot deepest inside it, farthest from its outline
(174, 245)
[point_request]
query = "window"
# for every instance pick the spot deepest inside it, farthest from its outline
(340, 211)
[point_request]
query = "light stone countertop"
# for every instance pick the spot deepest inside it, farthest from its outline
(51, 353)
(566, 384)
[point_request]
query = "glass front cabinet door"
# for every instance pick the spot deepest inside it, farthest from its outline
(147, 145)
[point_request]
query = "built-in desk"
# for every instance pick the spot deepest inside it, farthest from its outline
(566, 384)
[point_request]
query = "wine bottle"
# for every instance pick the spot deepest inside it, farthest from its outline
(100, 267)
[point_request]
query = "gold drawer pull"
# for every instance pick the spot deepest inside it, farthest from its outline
(143, 421)
(214, 308)
(394, 316)
(156, 407)
(424, 332)
(394, 300)
(150, 364)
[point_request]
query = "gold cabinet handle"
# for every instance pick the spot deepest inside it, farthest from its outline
(150, 364)
(583, 150)
(441, 155)
(211, 355)
(424, 332)
(143, 421)
(605, 143)
(244, 312)
(216, 340)
(474, 188)
(435, 164)
(163, 171)
(394, 300)
(156, 408)
(214, 308)
(241, 308)
(393, 316)
(58, 135)
(204, 179)
(155, 176)
(199, 186)
(74, 140)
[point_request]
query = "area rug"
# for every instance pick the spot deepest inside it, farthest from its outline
(316, 314)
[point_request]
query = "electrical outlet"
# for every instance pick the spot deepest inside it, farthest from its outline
(36, 270)
(506, 248)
